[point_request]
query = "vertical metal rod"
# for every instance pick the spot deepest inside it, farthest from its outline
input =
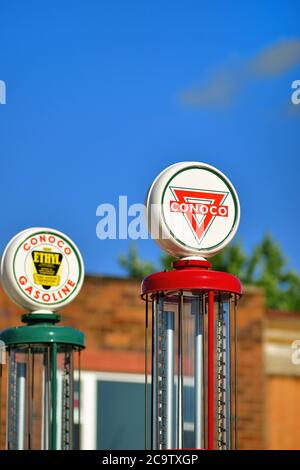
(49, 397)
(158, 378)
(46, 401)
(198, 363)
(67, 402)
(211, 371)
(44, 406)
(154, 385)
(222, 374)
(79, 401)
(231, 378)
(71, 401)
(235, 377)
(59, 409)
(53, 395)
(228, 372)
(146, 375)
(169, 379)
(30, 398)
(205, 371)
(11, 421)
(180, 376)
(21, 400)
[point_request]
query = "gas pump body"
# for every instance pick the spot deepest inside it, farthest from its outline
(193, 393)
(191, 339)
(42, 271)
(40, 360)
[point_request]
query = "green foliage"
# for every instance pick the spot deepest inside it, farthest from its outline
(265, 267)
(167, 260)
(232, 259)
(134, 266)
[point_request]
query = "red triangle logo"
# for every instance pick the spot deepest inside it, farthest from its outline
(199, 207)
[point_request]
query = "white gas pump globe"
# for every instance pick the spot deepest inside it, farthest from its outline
(41, 269)
(192, 210)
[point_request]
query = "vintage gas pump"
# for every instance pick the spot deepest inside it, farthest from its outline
(193, 213)
(42, 271)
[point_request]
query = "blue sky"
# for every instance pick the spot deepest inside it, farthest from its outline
(103, 95)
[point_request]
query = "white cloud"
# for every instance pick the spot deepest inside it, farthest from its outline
(276, 59)
(225, 84)
(218, 91)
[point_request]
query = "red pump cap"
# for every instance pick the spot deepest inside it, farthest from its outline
(191, 274)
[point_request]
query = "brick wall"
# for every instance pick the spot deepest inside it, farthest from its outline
(111, 314)
(251, 375)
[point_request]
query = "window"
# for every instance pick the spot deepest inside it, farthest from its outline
(120, 415)
(112, 412)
